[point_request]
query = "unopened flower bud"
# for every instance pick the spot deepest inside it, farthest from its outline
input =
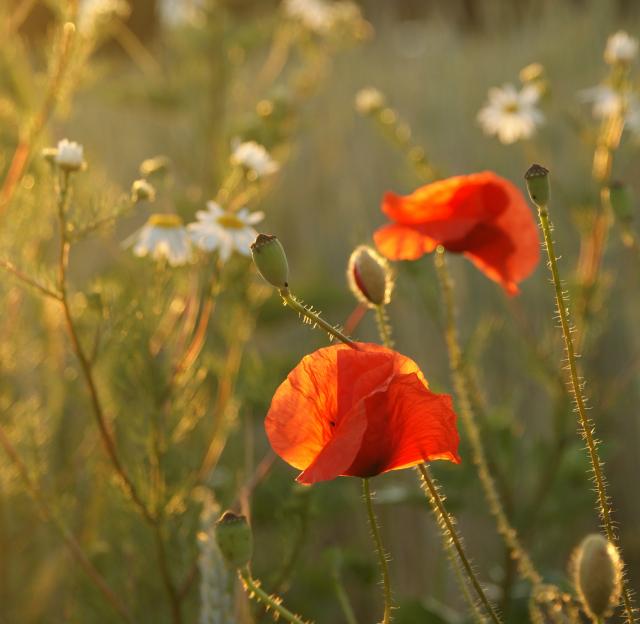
(235, 539)
(369, 101)
(620, 198)
(532, 73)
(597, 575)
(141, 190)
(369, 276)
(49, 154)
(271, 260)
(537, 179)
(69, 155)
(158, 165)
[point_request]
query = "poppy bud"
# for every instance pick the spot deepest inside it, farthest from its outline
(537, 179)
(369, 276)
(597, 574)
(142, 190)
(235, 539)
(271, 260)
(619, 197)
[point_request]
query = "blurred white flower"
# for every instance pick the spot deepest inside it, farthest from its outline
(224, 231)
(369, 100)
(621, 48)
(69, 155)
(96, 13)
(606, 101)
(162, 237)
(255, 158)
(511, 114)
(316, 15)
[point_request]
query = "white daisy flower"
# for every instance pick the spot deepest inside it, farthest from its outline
(606, 101)
(511, 114)
(225, 231)
(162, 237)
(621, 48)
(255, 158)
(69, 155)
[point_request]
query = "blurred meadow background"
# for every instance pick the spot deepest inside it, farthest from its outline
(178, 364)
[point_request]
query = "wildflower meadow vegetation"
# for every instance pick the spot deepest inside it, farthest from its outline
(319, 311)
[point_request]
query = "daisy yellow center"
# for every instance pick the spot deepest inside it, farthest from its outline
(230, 221)
(511, 107)
(165, 220)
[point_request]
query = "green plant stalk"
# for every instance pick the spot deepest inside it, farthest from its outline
(586, 425)
(382, 556)
(455, 539)
(274, 603)
(525, 566)
(384, 329)
(343, 598)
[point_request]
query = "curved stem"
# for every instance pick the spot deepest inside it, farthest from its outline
(382, 557)
(455, 539)
(314, 318)
(505, 529)
(587, 426)
(270, 602)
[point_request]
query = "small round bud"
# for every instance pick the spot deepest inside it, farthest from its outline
(532, 73)
(141, 190)
(49, 154)
(597, 575)
(620, 198)
(369, 276)
(369, 101)
(621, 49)
(235, 539)
(271, 260)
(537, 179)
(158, 165)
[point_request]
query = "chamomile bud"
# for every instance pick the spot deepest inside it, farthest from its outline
(156, 166)
(235, 539)
(369, 101)
(537, 180)
(141, 190)
(69, 155)
(271, 260)
(369, 276)
(597, 575)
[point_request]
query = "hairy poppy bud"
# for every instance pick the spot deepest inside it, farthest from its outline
(619, 197)
(234, 538)
(537, 179)
(369, 276)
(271, 260)
(597, 574)
(142, 190)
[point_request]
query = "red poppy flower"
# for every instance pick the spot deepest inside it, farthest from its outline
(359, 412)
(482, 216)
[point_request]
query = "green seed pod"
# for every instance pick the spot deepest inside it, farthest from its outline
(235, 539)
(369, 276)
(537, 179)
(597, 575)
(271, 260)
(620, 198)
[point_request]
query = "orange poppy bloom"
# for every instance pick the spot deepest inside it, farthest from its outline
(482, 216)
(359, 412)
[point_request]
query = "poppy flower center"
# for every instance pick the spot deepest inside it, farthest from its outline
(230, 221)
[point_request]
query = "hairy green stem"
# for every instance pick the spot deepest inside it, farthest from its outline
(587, 426)
(382, 556)
(384, 328)
(270, 602)
(455, 539)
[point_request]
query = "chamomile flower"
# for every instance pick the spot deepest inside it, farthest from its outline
(69, 155)
(606, 102)
(225, 231)
(510, 114)
(621, 48)
(254, 158)
(163, 236)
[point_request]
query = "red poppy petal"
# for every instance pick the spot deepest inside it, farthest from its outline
(402, 242)
(407, 425)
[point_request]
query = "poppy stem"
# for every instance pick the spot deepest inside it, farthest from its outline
(253, 589)
(448, 525)
(525, 566)
(384, 329)
(587, 425)
(382, 555)
(314, 317)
